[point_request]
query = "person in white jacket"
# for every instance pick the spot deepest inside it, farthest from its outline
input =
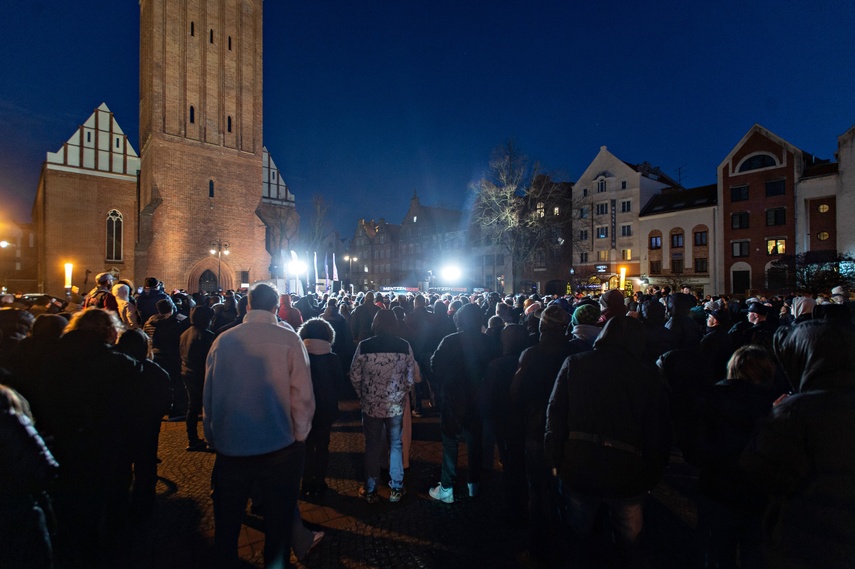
(258, 402)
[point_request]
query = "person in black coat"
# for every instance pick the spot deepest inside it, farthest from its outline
(608, 433)
(194, 345)
(92, 390)
(530, 392)
(327, 375)
(164, 330)
(459, 364)
(716, 345)
(803, 454)
(731, 506)
(152, 396)
(497, 409)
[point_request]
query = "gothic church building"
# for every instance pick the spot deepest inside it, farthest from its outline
(202, 206)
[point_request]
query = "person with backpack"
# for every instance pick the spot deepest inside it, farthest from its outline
(100, 296)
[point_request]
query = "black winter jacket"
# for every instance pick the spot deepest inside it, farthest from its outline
(607, 427)
(804, 453)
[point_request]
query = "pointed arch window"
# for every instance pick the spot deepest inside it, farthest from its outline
(192, 114)
(114, 235)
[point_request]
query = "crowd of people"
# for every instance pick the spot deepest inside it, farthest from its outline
(582, 399)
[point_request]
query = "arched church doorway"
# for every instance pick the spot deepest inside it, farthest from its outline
(208, 282)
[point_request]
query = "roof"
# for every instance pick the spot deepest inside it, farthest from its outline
(819, 170)
(676, 199)
(653, 172)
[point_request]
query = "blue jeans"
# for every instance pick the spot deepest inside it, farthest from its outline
(373, 428)
(276, 476)
(474, 456)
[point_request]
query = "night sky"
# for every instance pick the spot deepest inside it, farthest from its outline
(367, 102)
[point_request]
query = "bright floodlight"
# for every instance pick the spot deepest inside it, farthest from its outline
(4, 243)
(296, 267)
(450, 273)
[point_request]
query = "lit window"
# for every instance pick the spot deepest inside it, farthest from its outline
(823, 235)
(602, 256)
(114, 235)
(822, 208)
(556, 211)
(541, 212)
(626, 254)
(415, 218)
(776, 246)
(602, 232)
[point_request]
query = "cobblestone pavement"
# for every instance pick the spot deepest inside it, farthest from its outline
(417, 532)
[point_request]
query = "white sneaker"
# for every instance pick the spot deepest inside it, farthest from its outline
(442, 494)
(473, 488)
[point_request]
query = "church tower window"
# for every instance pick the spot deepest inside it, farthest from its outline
(229, 124)
(192, 114)
(192, 29)
(114, 235)
(211, 189)
(212, 36)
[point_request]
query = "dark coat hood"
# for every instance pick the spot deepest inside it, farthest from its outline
(818, 355)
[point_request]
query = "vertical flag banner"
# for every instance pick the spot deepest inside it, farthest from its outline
(326, 271)
(334, 269)
(315, 264)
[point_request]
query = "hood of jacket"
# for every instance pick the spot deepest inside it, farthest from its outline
(817, 355)
(623, 333)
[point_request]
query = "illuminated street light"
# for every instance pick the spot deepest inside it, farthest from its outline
(622, 278)
(350, 261)
(219, 248)
(4, 244)
(451, 273)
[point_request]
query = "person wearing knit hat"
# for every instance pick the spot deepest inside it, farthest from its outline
(532, 306)
(530, 390)
(584, 328)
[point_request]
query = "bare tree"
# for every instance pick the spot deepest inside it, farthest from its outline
(523, 210)
(318, 226)
(813, 271)
(282, 222)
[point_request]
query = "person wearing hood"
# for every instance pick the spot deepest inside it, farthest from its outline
(803, 454)
(363, 317)
(194, 344)
(288, 313)
(658, 338)
(802, 309)
(685, 331)
(608, 433)
(614, 304)
(318, 336)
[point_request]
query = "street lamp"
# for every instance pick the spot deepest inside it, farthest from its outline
(219, 248)
(69, 267)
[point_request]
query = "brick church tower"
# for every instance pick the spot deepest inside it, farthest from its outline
(201, 145)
